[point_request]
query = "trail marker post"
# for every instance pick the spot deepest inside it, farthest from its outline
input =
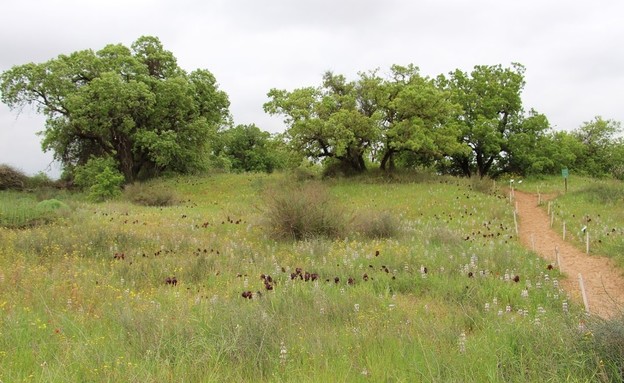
(565, 173)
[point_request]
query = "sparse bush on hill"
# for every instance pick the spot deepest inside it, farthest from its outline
(39, 181)
(11, 178)
(307, 210)
(372, 224)
(482, 184)
(303, 211)
(147, 195)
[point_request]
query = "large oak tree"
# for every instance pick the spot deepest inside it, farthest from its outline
(135, 105)
(492, 120)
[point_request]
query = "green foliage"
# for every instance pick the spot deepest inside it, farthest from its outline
(100, 177)
(248, 149)
(11, 178)
(40, 181)
(600, 153)
(133, 104)
(52, 205)
(21, 210)
(491, 119)
(149, 195)
(329, 121)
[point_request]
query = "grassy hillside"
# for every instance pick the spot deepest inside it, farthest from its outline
(201, 291)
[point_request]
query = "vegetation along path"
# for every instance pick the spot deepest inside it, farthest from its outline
(603, 280)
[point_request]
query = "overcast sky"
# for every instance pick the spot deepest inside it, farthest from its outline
(572, 50)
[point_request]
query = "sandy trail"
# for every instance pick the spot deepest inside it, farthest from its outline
(603, 280)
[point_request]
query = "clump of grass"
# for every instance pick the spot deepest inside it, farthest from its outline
(11, 178)
(604, 193)
(302, 211)
(608, 344)
(20, 211)
(482, 184)
(377, 225)
(149, 195)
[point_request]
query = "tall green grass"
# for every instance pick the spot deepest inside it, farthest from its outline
(90, 298)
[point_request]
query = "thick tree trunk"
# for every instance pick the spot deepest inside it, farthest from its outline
(387, 160)
(465, 167)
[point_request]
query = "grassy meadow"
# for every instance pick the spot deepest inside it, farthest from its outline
(422, 281)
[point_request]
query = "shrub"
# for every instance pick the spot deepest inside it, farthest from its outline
(52, 205)
(147, 195)
(101, 178)
(39, 181)
(377, 224)
(484, 185)
(11, 178)
(301, 211)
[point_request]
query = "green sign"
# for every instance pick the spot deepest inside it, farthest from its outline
(565, 173)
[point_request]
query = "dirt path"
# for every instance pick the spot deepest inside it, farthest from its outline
(603, 280)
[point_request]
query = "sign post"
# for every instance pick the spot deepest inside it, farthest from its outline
(565, 173)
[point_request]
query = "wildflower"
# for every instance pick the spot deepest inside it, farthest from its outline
(283, 356)
(356, 307)
(487, 306)
(565, 307)
(508, 308)
(524, 293)
(462, 342)
(247, 294)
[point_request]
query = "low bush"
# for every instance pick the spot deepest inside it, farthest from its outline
(148, 195)
(11, 178)
(376, 224)
(303, 210)
(101, 178)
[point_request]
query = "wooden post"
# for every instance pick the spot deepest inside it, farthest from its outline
(516, 222)
(564, 230)
(548, 207)
(587, 241)
(583, 293)
(557, 257)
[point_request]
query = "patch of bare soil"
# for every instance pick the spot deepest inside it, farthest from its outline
(603, 280)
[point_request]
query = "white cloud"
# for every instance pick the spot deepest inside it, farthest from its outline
(571, 49)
